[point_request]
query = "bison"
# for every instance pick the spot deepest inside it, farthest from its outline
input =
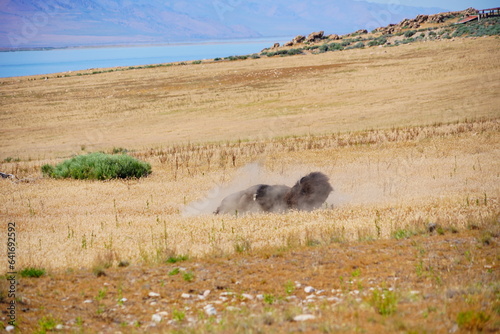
(309, 193)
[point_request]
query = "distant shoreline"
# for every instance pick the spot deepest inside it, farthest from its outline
(132, 45)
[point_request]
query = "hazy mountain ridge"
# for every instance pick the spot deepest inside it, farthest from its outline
(31, 23)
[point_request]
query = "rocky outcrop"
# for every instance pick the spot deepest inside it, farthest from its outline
(421, 19)
(298, 39)
(360, 32)
(402, 26)
(315, 37)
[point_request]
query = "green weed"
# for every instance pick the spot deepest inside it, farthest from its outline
(289, 287)
(174, 271)
(47, 323)
(177, 258)
(242, 245)
(32, 272)
(384, 301)
(178, 315)
(188, 276)
(269, 299)
(472, 320)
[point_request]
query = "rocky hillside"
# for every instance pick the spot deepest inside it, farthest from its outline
(422, 27)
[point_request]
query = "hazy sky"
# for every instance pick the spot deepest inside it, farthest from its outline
(446, 4)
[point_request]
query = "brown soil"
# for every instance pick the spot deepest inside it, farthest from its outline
(434, 278)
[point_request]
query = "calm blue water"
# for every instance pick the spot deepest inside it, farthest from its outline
(20, 63)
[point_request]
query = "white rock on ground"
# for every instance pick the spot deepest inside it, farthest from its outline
(309, 289)
(304, 317)
(156, 318)
(247, 296)
(153, 294)
(210, 310)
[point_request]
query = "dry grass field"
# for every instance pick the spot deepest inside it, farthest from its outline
(407, 242)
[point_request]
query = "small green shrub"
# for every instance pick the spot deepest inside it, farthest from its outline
(177, 258)
(331, 47)
(384, 301)
(269, 299)
(289, 287)
(188, 276)
(32, 272)
(119, 150)
(472, 320)
(358, 45)
(178, 315)
(47, 323)
(409, 33)
(98, 166)
(401, 234)
(242, 245)
(293, 52)
(173, 272)
(378, 41)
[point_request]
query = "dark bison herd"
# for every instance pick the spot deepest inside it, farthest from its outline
(309, 193)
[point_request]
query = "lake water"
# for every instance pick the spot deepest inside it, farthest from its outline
(21, 63)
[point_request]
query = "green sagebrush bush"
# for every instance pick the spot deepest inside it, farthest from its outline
(98, 166)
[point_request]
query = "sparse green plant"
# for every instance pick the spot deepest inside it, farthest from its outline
(358, 45)
(174, 271)
(269, 299)
(178, 315)
(419, 267)
(384, 301)
(242, 245)
(177, 258)
(32, 272)
(47, 323)
(356, 272)
(79, 322)
(101, 294)
(472, 320)
(188, 276)
(409, 33)
(289, 287)
(378, 41)
(401, 234)
(119, 150)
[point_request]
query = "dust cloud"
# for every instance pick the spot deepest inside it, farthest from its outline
(247, 176)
